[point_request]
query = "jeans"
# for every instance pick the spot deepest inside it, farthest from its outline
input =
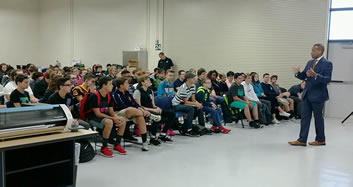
(218, 101)
(216, 115)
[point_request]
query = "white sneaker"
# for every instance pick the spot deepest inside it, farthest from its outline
(144, 146)
(275, 121)
(285, 114)
(155, 118)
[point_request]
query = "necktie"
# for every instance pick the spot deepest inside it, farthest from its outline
(314, 64)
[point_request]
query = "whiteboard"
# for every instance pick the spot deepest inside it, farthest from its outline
(341, 56)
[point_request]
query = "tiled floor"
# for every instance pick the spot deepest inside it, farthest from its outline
(243, 158)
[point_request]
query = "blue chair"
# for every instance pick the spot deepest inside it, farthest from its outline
(163, 102)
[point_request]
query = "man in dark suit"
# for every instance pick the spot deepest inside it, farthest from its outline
(317, 74)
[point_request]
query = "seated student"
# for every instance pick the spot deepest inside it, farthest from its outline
(134, 76)
(144, 96)
(296, 92)
(41, 86)
(153, 76)
(159, 79)
(52, 88)
(103, 117)
(19, 96)
(184, 101)
(203, 97)
(222, 84)
(230, 78)
(213, 75)
(180, 80)
(283, 97)
(237, 99)
(86, 87)
(166, 87)
(127, 75)
(271, 95)
(262, 104)
(11, 86)
(63, 96)
(201, 75)
(263, 98)
(37, 76)
(82, 73)
(127, 107)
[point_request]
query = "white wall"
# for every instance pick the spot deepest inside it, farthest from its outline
(19, 31)
(243, 36)
(55, 32)
(105, 28)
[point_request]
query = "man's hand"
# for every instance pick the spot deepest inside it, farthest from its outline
(249, 103)
(119, 121)
(214, 106)
(311, 73)
(263, 95)
(198, 105)
(296, 69)
(159, 110)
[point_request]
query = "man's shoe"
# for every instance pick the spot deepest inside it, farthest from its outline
(316, 143)
(297, 143)
(170, 133)
(224, 130)
(155, 142)
(192, 133)
(275, 121)
(284, 114)
(144, 147)
(213, 128)
(165, 139)
(254, 125)
(119, 149)
(106, 152)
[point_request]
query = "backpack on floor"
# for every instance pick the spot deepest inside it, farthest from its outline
(87, 152)
(200, 129)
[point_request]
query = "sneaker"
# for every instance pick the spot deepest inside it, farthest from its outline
(155, 142)
(192, 133)
(106, 152)
(171, 133)
(165, 139)
(119, 149)
(155, 118)
(275, 121)
(144, 147)
(209, 132)
(213, 128)
(254, 124)
(224, 130)
(284, 114)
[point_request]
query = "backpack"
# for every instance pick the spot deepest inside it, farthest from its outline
(87, 152)
(83, 102)
(229, 114)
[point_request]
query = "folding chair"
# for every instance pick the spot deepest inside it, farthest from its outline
(237, 114)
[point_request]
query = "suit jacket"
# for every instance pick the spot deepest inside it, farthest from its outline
(316, 88)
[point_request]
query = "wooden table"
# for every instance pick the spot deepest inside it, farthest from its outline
(45, 160)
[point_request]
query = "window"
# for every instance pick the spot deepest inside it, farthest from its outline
(341, 18)
(342, 4)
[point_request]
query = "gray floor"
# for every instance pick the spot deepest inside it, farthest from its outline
(243, 158)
